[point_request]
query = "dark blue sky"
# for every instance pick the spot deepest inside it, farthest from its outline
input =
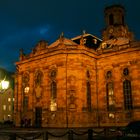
(25, 22)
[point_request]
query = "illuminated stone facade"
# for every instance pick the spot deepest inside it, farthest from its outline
(83, 81)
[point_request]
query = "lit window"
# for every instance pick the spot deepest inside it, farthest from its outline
(53, 106)
(110, 97)
(26, 89)
(4, 107)
(9, 99)
(9, 107)
(95, 41)
(9, 116)
(13, 99)
(111, 115)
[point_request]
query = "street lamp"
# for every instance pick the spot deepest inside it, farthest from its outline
(3, 85)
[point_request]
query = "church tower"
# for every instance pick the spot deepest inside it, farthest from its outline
(115, 24)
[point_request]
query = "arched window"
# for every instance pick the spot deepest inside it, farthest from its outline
(127, 95)
(53, 74)
(108, 75)
(111, 19)
(38, 78)
(88, 96)
(125, 72)
(53, 105)
(26, 89)
(53, 90)
(110, 96)
(25, 102)
(88, 74)
(127, 90)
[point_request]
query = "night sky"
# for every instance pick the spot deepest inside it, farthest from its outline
(25, 22)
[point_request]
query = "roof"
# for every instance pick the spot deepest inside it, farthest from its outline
(63, 40)
(91, 41)
(115, 6)
(85, 35)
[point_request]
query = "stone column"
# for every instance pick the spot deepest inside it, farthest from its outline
(31, 96)
(18, 99)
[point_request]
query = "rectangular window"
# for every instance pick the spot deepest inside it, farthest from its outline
(9, 107)
(25, 102)
(127, 95)
(4, 107)
(88, 96)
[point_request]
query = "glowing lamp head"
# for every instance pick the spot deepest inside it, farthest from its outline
(4, 84)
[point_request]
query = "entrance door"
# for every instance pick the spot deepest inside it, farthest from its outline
(38, 116)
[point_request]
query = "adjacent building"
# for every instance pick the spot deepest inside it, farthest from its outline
(83, 81)
(6, 96)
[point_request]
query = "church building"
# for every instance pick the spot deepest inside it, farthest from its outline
(83, 81)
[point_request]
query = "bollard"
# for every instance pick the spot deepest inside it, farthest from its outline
(70, 135)
(45, 136)
(90, 134)
(12, 137)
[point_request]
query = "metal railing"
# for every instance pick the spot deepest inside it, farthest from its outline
(70, 134)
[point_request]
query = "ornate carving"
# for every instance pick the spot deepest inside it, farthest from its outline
(133, 62)
(82, 40)
(40, 46)
(21, 54)
(25, 78)
(72, 80)
(72, 99)
(38, 91)
(38, 82)
(38, 78)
